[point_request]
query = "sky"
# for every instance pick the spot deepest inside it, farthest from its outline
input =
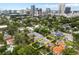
(53, 6)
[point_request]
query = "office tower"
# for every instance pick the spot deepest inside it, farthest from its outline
(5, 11)
(32, 10)
(76, 11)
(14, 11)
(54, 12)
(10, 11)
(22, 11)
(36, 12)
(0, 12)
(48, 11)
(40, 12)
(67, 10)
(28, 11)
(61, 8)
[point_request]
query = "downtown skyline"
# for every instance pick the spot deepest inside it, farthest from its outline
(52, 6)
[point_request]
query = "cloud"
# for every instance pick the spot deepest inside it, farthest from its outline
(39, 1)
(74, 5)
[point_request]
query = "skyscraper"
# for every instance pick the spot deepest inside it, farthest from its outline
(48, 11)
(32, 10)
(40, 12)
(36, 12)
(67, 10)
(61, 8)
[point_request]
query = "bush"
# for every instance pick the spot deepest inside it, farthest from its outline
(1, 38)
(76, 37)
(27, 50)
(2, 50)
(69, 51)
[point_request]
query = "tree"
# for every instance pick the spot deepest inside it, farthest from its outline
(21, 38)
(27, 50)
(12, 28)
(76, 40)
(2, 50)
(16, 48)
(1, 38)
(69, 51)
(3, 20)
(44, 30)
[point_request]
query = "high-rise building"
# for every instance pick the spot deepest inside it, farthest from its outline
(61, 8)
(32, 10)
(15, 11)
(67, 10)
(28, 11)
(54, 12)
(48, 11)
(36, 12)
(10, 11)
(22, 11)
(40, 12)
(0, 12)
(5, 11)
